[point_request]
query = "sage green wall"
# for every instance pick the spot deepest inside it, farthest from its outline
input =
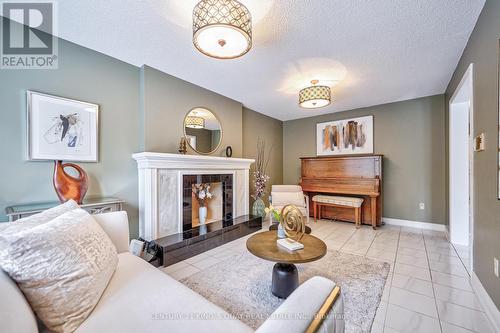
(165, 102)
(140, 109)
(410, 135)
(85, 75)
(482, 50)
(255, 126)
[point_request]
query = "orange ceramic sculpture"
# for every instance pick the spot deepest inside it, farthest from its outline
(68, 187)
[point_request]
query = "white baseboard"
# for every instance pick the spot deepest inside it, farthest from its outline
(414, 224)
(489, 307)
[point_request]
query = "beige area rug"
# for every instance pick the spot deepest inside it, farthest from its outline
(241, 285)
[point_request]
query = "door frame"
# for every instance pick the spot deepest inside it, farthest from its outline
(467, 82)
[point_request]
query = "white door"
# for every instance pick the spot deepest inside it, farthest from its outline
(461, 167)
(459, 173)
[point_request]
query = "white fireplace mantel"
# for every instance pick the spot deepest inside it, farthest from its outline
(160, 188)
(178, 161)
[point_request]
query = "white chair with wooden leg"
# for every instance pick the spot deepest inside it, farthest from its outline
(282, 195)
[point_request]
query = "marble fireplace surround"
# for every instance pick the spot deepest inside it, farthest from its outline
(160, 188)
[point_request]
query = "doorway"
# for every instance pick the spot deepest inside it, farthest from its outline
(461, 110)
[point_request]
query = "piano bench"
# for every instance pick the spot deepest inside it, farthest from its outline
(336, 201)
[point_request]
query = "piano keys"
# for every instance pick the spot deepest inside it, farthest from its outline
(352, 175)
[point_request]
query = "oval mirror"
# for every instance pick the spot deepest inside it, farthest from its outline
(202, 130)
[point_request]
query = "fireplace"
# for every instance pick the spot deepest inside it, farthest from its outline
(219, 207)
(165, 186)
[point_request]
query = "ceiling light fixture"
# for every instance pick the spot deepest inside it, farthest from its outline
(195, 122)
(222, 29)
(315, 96)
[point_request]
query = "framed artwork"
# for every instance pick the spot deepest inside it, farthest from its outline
(61, 128)
(345, 137)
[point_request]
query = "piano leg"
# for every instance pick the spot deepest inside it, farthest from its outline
(373, 206)
(357, 217)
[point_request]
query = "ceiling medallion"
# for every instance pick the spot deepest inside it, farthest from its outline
(315, 96)
(195, 122)
(222, 29)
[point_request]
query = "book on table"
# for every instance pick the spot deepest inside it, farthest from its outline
(290, 244)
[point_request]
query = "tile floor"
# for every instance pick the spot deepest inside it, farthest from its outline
(427, 290)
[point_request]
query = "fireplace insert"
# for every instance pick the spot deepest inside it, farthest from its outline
(219, 207)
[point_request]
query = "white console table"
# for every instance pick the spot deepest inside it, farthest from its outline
(92, 205)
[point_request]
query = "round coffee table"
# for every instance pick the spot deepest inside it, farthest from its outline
(285, 274)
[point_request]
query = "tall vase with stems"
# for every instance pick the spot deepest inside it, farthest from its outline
(202, 194)
(260, 179)
(202, 214)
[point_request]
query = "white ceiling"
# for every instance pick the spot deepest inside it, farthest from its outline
(380, 50)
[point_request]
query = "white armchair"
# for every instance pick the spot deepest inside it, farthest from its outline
(282, 195)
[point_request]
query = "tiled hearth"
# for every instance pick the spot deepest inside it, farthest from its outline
(182, 246)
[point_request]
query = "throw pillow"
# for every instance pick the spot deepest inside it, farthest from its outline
(62, 267)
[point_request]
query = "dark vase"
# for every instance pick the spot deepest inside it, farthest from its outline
(229, 151)
(68, 187)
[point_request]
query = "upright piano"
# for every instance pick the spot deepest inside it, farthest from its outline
(353, 175)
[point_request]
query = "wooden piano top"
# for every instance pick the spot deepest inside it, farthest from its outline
(342, 156)
(347, 174)
(351, 166)
(355, 186)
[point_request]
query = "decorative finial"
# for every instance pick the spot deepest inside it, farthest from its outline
(183, 146)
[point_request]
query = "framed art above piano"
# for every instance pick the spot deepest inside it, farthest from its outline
(348, 175)
(345, 137)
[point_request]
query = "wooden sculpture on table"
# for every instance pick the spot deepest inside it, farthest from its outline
(68, 187)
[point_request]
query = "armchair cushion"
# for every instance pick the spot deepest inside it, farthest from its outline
(115, 224)
(286, 188)
(281, 199)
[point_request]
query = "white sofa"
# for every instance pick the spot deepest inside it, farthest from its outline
(141, 298)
